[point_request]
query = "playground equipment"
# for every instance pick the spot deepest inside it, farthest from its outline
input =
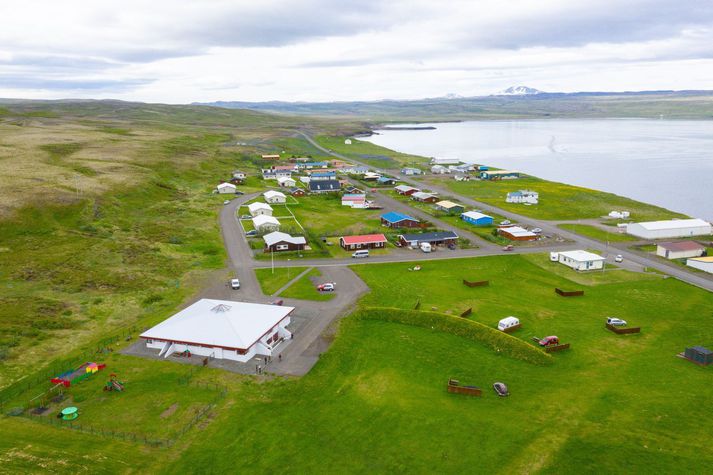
(69, 413)
(78, 374)
(114, 384)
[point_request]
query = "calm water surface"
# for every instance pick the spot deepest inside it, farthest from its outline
(663, 162)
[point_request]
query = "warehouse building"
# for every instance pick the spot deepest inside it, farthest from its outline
(674, 228)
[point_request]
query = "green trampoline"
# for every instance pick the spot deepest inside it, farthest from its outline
(69, 413)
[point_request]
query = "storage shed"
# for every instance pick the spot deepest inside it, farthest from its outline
(699, 354)
(477, 219)
(675, 228)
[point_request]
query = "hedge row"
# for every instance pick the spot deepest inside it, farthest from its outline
(474, 331)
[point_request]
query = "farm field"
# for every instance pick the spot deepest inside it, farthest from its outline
(598, 233)
(558, 201)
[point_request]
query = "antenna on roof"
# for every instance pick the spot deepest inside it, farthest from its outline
(220, 308)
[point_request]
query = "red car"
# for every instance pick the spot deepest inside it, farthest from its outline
(326, 287)
(508, 248)
(549, 341)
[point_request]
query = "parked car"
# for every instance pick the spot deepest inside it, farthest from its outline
(505, 222)
(452, 247)
(619, 258)
(326, 287)
(617, 322)
(252, 232)
(362, 253)
(508, 248)
(226, 202)
(501, 389)
(278, 302)
(536, 230)
(238, 192)
(245, 216)
(235, 284)
(549, 341)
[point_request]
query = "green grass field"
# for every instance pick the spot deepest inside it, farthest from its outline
(557, 200)
(305, 288)
(272, 280)
(324, 215)
(371, 154)
(598, 233)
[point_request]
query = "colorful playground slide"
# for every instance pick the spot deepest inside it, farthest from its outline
(78, 374)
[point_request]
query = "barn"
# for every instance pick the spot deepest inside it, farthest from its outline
(393, 219)
(499, 175)
(277, 241)
(674, 228)
(366, 241)
(438, 238)
(222, 329)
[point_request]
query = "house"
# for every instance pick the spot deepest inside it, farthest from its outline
(385, 180)
(439, 238)
(675, 228)
(239, 175)
(619, 214)
(354, 200)
(264, 223)
(476, 218)
(311, 165)
(701, 263)
(222, 329)
(393, 219)
(226, 188)
(271, 174)
(680, 250)
(460, 168)
(300, 159)
(353, 190)
(405, 190)
(289, 168)
(424, 197)
(445, 161)
(371, 176)
(277, 241)
(272, 196)
(411, 171)
(439, 170)
(499, 175)
(516, 233)
(449, 207)
(366, 241)
(581, 260)
(286, 182)
(347, 141)
(324, 186)
(257, 209)
(318, 176)
(274, 156)
(296, 191)
(523, 196)
(354, 170)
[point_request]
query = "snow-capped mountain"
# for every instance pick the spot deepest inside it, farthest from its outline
(518, 91)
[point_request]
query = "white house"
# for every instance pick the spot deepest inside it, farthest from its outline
(619, 214)
(701, 263)
(675, 228)
(523, 196)
(286, 181)
(222, 329)
(581, 260)
(680, 250)
(257, 209)
(371, 176)
(347, 141)
(226, 188)
(239, 175)
(439, 169)
(272, 196)
(264, 224)
(354, 200)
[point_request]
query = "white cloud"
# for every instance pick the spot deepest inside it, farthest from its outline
(317, 50)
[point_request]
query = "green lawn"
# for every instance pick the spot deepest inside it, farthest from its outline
(557, 200)
(306, 288)
(324, 215)
(598, 233)
(272, 280)
(372, 155)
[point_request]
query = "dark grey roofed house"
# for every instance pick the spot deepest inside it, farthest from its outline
(437, 238)
(324, 186)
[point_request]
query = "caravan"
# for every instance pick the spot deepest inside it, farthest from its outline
(508, 324)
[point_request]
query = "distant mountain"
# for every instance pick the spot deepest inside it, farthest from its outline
(519, 91)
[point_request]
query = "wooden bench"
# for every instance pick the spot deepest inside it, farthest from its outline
(467, 312)
(455, 388)
(622, 330)
(569, 293)
(553, 348)
(513, 328)
(480, 283)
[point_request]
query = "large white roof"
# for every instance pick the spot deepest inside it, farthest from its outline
(517, 231)
(277, 236)
(261, 219)
(582, 256)
(272, 193)
(475, 215)
(673, 224)
(258, 205)
(222, 323)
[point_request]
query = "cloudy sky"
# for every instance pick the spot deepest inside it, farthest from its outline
(317, 50)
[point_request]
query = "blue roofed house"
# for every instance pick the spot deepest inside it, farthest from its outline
(477, 219)
(385, 180)
(394, 219)
(317, 176)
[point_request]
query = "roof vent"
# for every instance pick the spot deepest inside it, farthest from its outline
(220, 308)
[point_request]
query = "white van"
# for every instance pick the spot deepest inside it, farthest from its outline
(508, 322)
(362, 253)
(554, 256)
(425, 247)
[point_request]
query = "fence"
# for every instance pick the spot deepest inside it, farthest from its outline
(569, 293)
(455, 387)
(467, 312)
(553, 348)
(480, 283)
(623, 331)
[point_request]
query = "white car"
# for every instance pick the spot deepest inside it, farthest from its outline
(326, 287)
(505, 222)
(619, 258)
(617, 322)
(235, 284)
(226, 202)
(536, 230)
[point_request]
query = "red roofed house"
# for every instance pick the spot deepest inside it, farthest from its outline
(680, 250)
(366, 241)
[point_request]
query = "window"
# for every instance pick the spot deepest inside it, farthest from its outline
(282, 247)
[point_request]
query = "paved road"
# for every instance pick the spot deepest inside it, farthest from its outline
(633, 260)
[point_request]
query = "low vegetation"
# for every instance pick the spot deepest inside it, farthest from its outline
(305, 288)
(598, 233)
(272, 280)
(371, 154)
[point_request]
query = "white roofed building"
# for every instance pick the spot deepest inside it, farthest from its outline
(222, 329)
(581, 260)
(226, 188)
(264, 224)
(257, 209)
(272, 196)
(674, 228)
